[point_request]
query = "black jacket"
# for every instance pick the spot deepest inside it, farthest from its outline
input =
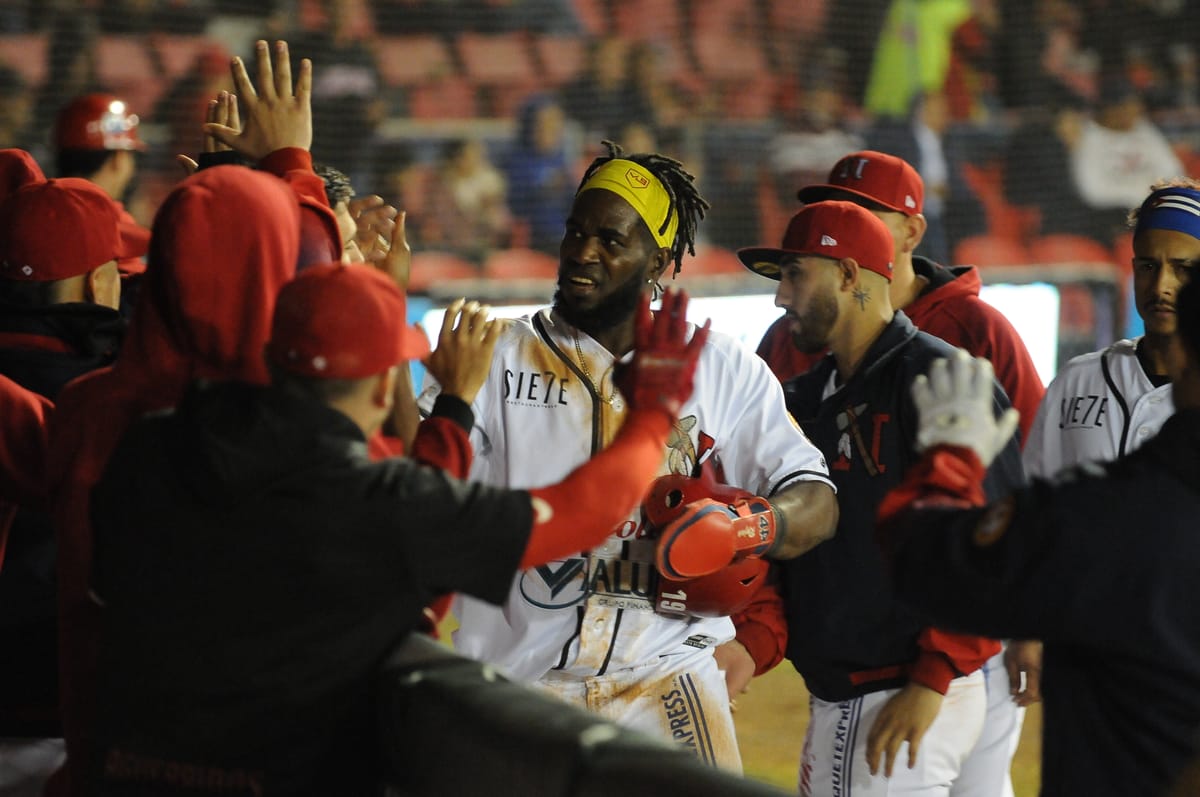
(1102, 565)
(846, 633)
(255, 567)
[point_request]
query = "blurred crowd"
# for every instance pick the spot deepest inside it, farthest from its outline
(1025, 118)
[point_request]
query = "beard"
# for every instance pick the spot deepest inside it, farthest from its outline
(816, 325)
(612, 311)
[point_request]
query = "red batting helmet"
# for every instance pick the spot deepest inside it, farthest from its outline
(97, 122)
(719, 594)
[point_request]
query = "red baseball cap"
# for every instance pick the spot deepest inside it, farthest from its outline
(883, 179)
(17, 169)
(336, 321)
(834, 229)
(57, 229)
(97, 122)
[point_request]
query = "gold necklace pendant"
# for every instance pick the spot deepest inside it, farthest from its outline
(587, 373)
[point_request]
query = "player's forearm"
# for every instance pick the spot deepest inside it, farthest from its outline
(582, 510)
(808, 515)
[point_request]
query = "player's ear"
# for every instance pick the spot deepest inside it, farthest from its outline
(662, 260)
(383, 388)
(914, 227)
(847, 273)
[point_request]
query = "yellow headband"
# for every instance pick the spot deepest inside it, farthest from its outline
(641, 189)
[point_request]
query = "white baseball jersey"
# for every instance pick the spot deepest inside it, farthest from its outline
(1099, 407)
(541, 414)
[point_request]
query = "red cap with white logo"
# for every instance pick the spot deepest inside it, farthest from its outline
(97, 122)
(881, 178)
(833, 229)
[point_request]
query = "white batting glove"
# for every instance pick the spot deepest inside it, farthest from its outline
(954, 407)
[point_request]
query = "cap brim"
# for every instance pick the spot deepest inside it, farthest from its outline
(819, 193)
(414, 345)
(764, 261)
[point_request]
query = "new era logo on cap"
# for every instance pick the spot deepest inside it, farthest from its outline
(827, 241)
(832, 229)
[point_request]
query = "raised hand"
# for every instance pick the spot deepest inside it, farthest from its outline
(276, 115)
(955, 407)
(376, 221)
(664, 360)
(463, 356)
(223, 111)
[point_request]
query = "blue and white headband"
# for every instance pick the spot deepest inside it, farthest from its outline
(1174, 208)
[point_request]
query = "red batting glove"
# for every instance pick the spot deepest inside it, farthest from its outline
(664, 360)
(709, 535)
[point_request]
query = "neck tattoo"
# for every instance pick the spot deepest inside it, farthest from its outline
(587, 374)
(862, 296)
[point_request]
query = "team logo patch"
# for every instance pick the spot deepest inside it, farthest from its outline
(556, 585)
(636, 179)
(994, 524)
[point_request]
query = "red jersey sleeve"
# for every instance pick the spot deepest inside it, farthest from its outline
(762, 627)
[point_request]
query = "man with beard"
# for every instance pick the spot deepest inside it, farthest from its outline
(881, 680)
(585, 627)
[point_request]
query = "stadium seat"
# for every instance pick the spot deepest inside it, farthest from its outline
(711, 261)
(497, 58)
(125, 66)
(411, 60)
(592, 15)
(991, 250)
(721, 54)
(1066, 248)
(642, 20)
(561, 58)
(518, 264)
(449, 97)
(436, 268)
(1005, 219)
(26, 53)
(178, 53)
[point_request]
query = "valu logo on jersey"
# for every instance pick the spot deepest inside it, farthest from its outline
(619, 583)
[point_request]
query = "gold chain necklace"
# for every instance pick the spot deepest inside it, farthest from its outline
(587, 374)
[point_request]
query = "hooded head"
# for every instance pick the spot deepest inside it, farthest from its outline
(223, 243)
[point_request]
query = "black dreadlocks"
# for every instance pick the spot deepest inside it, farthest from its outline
(681, 192)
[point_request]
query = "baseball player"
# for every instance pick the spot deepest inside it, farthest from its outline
(584, 627)
(1105, 404)
(884, 685)
(943, 302)
(1100, 564)
(96, 138)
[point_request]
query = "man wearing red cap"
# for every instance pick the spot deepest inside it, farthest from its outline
(255, 566)
(59, 290)
(881, 680)
(943, 302)
(95, 137)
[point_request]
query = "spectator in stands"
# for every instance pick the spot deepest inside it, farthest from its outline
(468, 209)
(1120, 152)
(184, 108)
(71, 65)
(971, 78)
(602, 98)
(541, 181)
(663, 103)
(16, 109)
(926, 140)
(347, 89)
(1037, 169)
(814, 139)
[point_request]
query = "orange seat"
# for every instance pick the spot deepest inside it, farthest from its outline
(642, 20)
(561, 58)
(435, 268)
(443, 98)
(497, 58)
(991, 250)
(518, 264)
(1122, 251)
(986, 182)
(178, 53)
(1067, 248)
(721, 54)
(409, 60)
(710, 261)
